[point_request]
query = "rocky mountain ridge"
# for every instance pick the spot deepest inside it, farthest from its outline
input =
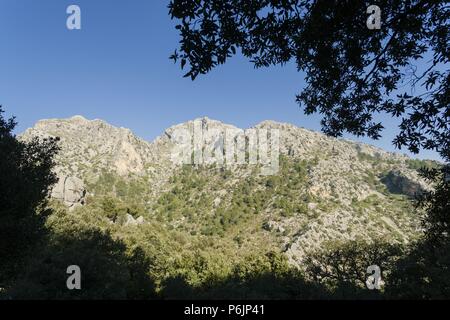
(90, 146)
(327, 189)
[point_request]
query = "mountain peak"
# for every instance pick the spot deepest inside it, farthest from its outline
(78, 118)
(205, 122)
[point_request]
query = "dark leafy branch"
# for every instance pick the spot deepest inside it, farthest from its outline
(353, 74)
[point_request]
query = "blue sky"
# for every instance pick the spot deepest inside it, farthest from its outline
(116, 68)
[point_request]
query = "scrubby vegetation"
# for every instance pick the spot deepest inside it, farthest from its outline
(211, 234)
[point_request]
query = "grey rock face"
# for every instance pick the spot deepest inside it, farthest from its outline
(70, 190)
(130, 221)
(273, 226)
(396, 182)
(93, 144)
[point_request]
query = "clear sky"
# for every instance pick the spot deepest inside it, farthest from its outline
(116, 68)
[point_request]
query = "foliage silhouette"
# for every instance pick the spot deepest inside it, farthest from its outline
(348, 261)
(26, 178)
(265, 277)
(352, 73)
(424, 273)
(109, 269)
(437, 204)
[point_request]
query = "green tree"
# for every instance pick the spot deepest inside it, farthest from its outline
(342, 266)
(109, 270)
(25, 180)
(437, 204)
(424, 273)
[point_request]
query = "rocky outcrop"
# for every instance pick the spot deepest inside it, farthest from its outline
(89, 146)
(130, 221)
(399, 183)
(70, 190)
(273, 226)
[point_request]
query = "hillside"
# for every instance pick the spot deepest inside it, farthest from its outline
(326, 189)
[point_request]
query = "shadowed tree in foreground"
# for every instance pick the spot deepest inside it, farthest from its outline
(25, 180)
(425, 272)
(108, 269)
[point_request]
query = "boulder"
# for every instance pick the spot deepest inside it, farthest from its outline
(140, 220)
(130, 221)
(273, 226)
(70, 190)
